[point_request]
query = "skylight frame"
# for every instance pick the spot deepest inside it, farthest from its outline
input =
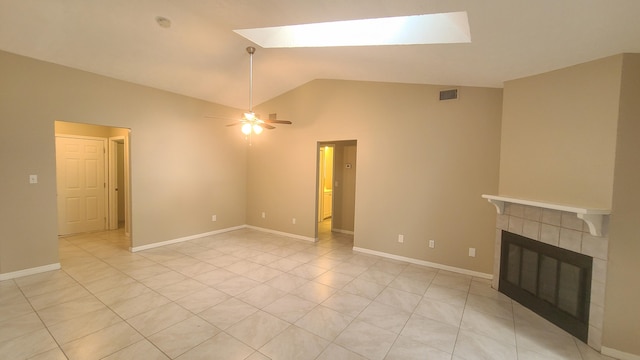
(440, 28)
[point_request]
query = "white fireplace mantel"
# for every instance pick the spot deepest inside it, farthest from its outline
(592, 217)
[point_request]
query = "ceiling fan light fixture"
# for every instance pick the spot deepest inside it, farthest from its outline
(246, 128)
(257, 129)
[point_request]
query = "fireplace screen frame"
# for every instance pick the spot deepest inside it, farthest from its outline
(539, 298)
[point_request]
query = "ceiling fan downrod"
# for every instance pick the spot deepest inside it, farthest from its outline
(251, 50)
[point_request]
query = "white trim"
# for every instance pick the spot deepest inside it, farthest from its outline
(619, 354)
(299, 237)
(186, 238)
(594, 218)
(425, 263)
(30, 271)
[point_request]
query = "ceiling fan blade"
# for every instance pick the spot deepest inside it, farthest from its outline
(271, 121)
(234, 124)
(267, 126)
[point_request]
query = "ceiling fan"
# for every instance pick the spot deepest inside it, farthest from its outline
(251, 122)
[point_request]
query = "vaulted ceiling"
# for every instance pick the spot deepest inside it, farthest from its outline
(201, 56)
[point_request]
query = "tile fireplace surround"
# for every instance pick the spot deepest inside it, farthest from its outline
(562, 229)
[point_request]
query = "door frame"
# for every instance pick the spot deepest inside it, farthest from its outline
(113, 183)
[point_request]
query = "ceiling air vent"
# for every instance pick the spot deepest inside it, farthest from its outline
(449, 94)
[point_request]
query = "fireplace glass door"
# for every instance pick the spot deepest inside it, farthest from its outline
(553, 282)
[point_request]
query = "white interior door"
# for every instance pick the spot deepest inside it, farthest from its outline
(80, 169)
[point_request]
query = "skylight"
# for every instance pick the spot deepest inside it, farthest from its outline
(441, 28)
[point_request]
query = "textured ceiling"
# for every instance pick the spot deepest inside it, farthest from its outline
(201, 56)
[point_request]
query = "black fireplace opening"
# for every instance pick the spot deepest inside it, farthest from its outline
(553, 282)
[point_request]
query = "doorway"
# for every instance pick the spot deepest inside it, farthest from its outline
(335, 190)
(92, 173)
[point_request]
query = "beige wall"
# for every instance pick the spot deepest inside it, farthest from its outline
(344, 195)
(79, 129)
(559, 135)
(415, 158)
(622, 314)
(571, 136)
(184, 167)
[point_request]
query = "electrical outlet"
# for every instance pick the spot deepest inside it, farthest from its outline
(214, 218)
(264, 215)
(400, 238)
(33, 179)
(293, 221)
(432, 243)
(472, 252)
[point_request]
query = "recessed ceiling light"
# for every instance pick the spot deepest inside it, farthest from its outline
(163, 22)
(441, 28)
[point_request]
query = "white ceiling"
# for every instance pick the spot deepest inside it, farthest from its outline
(200, 55)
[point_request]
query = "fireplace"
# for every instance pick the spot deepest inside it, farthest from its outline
(553, 282)
(574, 229)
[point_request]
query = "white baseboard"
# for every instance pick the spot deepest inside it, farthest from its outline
(186, 238)
(295, 236)
(348, 232)
(30, 271)
(618, 354)
(425, 263)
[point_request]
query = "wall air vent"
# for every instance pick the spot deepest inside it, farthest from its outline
(448, 94)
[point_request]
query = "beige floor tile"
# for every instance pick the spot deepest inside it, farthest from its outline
(495, 327)
(257, 329)
(294, 343)
(121, 293)
(334, 279)
(314, 292)
(407, 349)
(474, 346)
(261, 295)
(399, 299)
(487, 305)
(385, 317)
(70, 310)
(72, 329)
(53, 354)
(20, 325)
(202, 300)
(142, 349)
(142, 303)
(57, 297)
(183, 336)
(158, 319)
(333, 352)
(220, 347)
(102, 343)
(227, 313)
(334, 315)
(364, 288)
(435, 334)
(367, 340)
(27, 345)
(440, 311)
(346, 303)
(181, 289)
(324, 322)
(290, 308)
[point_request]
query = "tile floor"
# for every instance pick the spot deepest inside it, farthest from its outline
(253, 295)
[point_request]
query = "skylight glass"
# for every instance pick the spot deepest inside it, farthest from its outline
(441, 28)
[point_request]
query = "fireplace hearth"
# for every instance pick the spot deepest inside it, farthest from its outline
(553, 282)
